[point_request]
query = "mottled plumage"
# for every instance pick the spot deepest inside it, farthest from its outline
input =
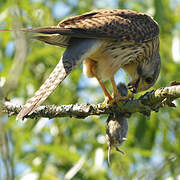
(121, 25)
(105, 40)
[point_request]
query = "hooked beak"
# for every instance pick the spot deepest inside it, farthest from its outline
(134, 85)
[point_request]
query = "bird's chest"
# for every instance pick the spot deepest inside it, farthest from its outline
(113, 56)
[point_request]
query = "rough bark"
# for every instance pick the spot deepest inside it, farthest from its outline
(150, 101)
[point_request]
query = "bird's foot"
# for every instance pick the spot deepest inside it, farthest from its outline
(107, 101)
(118, 98)
(111, 102)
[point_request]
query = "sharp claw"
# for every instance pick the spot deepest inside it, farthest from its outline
(117, 99)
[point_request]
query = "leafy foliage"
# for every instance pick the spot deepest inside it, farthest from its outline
(50, 148)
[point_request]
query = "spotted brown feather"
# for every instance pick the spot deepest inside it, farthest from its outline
(124, 25)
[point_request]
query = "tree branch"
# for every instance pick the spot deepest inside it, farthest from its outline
(150, 101)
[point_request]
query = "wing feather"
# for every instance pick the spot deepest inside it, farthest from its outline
(54, 39)
(123, 25)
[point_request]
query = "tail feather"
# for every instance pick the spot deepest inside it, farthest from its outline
(54, 39)
(55, 78)
(44, 30)
(75, 53)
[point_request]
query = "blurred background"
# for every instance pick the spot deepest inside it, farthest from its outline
(53, 149)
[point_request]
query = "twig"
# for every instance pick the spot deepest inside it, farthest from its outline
(150, 101)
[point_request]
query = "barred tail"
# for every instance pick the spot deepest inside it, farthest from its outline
(74, 54)
(44, 30)
(54, 39)
(56, 77)
(52, 35)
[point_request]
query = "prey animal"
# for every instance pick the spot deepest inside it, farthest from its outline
(105, 41)
(117, 125)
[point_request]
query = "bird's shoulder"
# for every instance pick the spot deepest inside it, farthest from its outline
(126, 25)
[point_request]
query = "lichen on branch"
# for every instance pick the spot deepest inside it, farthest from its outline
(150, 101)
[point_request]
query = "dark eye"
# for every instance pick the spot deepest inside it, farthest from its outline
(149, 80)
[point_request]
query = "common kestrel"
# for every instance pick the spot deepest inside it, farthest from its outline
(105, 41)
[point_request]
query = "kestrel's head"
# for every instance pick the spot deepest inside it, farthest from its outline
(147, 73)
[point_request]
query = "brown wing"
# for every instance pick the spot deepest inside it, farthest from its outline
(124, 25)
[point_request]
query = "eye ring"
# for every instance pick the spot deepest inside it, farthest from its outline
(149, 80)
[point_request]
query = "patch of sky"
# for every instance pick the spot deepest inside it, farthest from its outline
(48, 138)
(26, 147)
(9, 48)
(174, 3)
(3, 26)
(120, 76)
(20, 168)
(1, 67)
(30, 175)
(142, 164)
(89, 97)
(88, 148)
(172, 133)
(157, 157)
(172, 136)
(35, 1)
(35, 141)
(106, 4)
(73, 2)
(67, 132)
(3, 172)
(85, 83)
(176, 47)
(60, 175)
(41, 124)
(60, 10)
